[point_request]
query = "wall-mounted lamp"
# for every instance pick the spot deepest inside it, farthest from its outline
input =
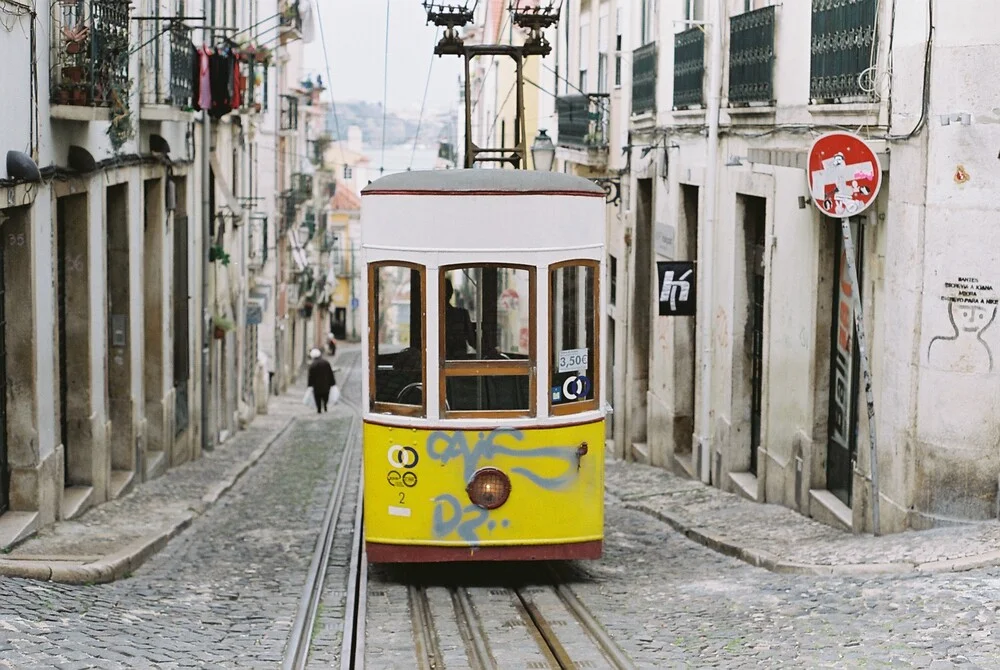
(964, 118)
(736, 161)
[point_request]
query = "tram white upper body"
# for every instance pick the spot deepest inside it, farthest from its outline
(475, 213)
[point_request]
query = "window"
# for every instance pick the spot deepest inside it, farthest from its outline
(348, 172)
(618, 47)
(750, 5)
(487, 340)
(396, 310)
(613, 279)
(602, 51)
(647, 27)
(573, 309)
(694, 10)
(583, 80)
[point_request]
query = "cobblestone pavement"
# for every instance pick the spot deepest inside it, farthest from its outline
(783, 540)
(223, 594)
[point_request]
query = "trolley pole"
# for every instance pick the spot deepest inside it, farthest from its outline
(533, 19)
(859, 326)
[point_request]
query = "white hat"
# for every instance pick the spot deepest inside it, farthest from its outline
(315, 353)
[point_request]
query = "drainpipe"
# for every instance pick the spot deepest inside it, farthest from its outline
(714, 25)
(206, 329)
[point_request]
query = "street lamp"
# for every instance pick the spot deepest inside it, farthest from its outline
(543, 152)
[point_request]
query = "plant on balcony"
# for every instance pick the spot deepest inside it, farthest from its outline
(218, 253)
(121, 129)
(75, 38)
(221, 325)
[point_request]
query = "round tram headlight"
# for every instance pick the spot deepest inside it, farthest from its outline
(489, 488)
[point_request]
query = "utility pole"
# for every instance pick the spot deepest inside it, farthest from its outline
(533, 19)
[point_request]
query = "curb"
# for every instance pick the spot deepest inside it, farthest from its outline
(118, 564)
(768, 561)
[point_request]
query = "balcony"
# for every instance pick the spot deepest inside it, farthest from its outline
(644, 80)
(583, 127)
(302, 185)
(287, 207)
(90, 54)
(689, 69)
(166, 66)
(751, 57)
(843, 35)
(254, 66)
(289, 21)
(289, 113)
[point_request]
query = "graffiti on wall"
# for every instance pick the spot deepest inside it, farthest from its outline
(972, 308)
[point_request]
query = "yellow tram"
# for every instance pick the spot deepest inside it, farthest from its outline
(484, 422)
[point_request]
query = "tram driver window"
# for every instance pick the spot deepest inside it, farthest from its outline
(573, 309)
(486, 339)
(396, 297)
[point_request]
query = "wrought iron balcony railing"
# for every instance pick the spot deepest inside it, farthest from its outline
(751, 57)
(583, 120)
(254, 65)
(689, 68)
(166, 64)
(90, 52)
(302, 184)
(287, 207)
(644, 79)
(289, 116)
(843, 35)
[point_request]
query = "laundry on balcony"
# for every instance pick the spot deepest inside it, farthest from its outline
(219, 81)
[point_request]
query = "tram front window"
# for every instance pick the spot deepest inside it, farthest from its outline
(397, 377)
(573, 310)
(487, 339)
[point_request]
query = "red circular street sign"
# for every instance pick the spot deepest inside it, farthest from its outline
(844, 174)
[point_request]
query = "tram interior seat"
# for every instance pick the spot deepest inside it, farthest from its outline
(503, 392)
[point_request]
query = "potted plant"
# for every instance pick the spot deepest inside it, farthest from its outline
(221, 325)
(75, 38)
(218, 253)
(73, 74)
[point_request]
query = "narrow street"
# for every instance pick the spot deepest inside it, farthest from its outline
(224, 593)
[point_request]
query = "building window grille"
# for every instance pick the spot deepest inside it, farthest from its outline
(644, 79)
(751, 57)
(689, 68)
(843, 48)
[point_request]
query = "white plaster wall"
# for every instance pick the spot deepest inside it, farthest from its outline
(97, 249)
(15, 76)
(41, 221)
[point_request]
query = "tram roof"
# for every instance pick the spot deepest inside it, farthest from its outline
(482, 182)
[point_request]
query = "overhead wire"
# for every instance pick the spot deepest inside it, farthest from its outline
(329, 76)
(423, 103)
(385, 85)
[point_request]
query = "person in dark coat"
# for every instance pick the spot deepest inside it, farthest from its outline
(321, 379)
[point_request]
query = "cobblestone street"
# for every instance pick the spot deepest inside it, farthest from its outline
(223, 593)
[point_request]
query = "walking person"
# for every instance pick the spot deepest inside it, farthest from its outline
(321, 379)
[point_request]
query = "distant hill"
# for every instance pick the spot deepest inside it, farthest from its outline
(399, 129)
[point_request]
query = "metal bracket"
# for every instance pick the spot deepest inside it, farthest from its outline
(612, 188)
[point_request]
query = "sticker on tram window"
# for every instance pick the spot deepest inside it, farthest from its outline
(574, 388)
(571, 360)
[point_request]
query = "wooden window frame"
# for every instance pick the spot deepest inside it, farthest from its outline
(398, 409)
(578, 407)
(489, 368)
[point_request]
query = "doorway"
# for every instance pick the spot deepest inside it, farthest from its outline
(754, 221)
(153, 360)
(73, 346)
(181, 316)
(842, 426)
(641, 323)
(4, 471)
(119, 375)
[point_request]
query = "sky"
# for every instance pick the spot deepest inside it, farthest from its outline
(355, 40)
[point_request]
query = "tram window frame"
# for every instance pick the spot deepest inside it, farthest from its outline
(382, 407)
(567, 408)
(488, 367)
